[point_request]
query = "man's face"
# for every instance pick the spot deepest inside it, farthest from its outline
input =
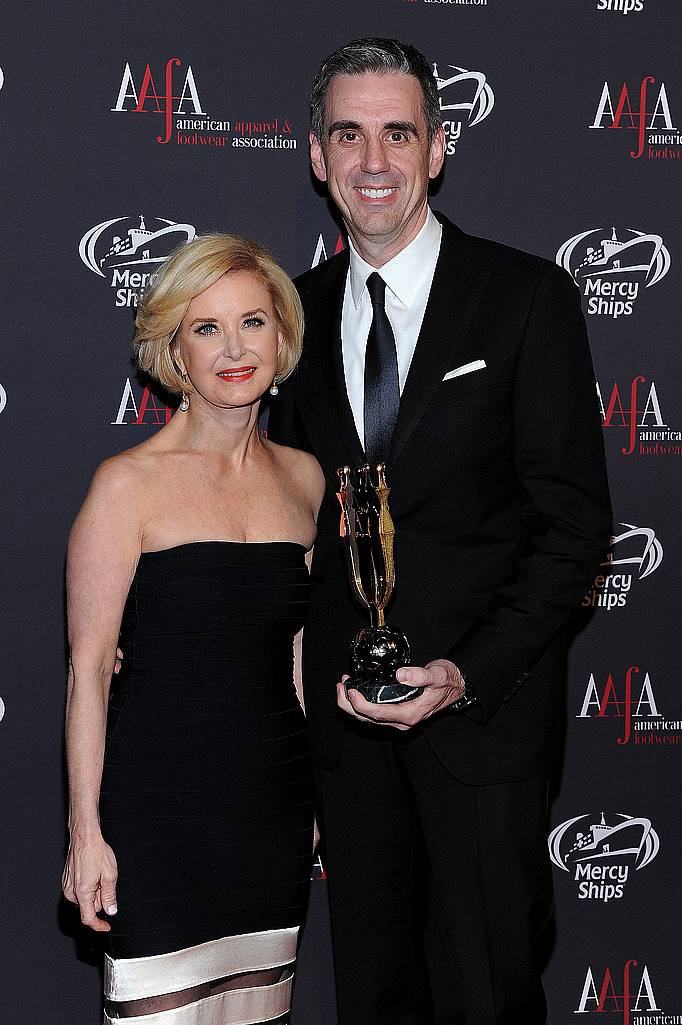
(375, 155)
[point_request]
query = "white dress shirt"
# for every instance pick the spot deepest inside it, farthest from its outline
(408, 278)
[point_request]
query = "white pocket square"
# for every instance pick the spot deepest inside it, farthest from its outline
(466, 368)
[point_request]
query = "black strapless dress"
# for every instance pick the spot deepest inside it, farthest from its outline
(206, 794)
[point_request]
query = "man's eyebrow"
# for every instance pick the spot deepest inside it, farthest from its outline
(408, 127)
(342, 126)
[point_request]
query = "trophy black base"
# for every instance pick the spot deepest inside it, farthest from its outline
(389, 693)
(376, 653)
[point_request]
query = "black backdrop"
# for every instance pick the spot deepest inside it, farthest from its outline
(563, 123)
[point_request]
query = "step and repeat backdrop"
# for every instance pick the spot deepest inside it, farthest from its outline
(130, 128)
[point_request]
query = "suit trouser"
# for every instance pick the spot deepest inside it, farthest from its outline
(440, 892)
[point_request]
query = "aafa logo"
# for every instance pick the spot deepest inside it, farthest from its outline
(465, 91)
(143, 410)
(638, 413)
(318, 869)
(166, 102)
(629, 697)
(620, 992)
(130, 257)
(320, 254)
(599, 855)
(650, 118)
(610, 270)
(174, 96)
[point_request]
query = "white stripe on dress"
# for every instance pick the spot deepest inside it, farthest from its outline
(233, 1007)
(131, 978)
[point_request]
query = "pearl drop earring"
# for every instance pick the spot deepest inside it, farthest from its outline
(274, 390)
(184, 402)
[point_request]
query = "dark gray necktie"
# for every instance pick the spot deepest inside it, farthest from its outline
(382, 389)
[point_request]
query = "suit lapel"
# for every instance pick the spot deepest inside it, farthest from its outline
(455, 293)
(329, 306)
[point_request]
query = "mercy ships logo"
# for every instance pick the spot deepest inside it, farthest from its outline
(611, 270)
(639, 546)
(634, 546)
(468, 95)
(128, 259)
(601, 855)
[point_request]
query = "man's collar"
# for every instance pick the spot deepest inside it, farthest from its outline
(407, 271)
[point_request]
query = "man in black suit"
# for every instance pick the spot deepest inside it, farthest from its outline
(465, 365)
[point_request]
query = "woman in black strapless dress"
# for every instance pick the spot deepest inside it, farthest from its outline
(191, 812)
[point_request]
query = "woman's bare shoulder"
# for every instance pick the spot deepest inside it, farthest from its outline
(124, 472)
(302, 468)
(122, 486)
(297, 459)
(107, 526)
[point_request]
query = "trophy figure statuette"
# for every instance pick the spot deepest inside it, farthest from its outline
(367, 533)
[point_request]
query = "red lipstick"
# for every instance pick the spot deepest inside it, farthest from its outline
(235, 375)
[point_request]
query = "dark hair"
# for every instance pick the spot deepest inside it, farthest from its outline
(385, 57)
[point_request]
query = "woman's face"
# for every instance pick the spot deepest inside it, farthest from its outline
(229, 340)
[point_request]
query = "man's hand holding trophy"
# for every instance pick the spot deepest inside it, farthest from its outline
(382, 686)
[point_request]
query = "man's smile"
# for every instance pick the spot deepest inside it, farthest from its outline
(374, 194)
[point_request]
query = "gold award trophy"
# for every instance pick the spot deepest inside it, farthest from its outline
(367, 534)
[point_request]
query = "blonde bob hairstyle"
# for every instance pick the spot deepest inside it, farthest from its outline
(189, 270)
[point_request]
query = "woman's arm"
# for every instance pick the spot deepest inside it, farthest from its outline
(103, 551)
(298, 682)
(298, 648)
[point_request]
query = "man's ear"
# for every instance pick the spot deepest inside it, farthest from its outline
(437, 153)
(317, 160)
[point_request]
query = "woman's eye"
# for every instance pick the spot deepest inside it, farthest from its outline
(207, 329)
(253, 322)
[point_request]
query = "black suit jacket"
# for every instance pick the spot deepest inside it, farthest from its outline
(498, 492)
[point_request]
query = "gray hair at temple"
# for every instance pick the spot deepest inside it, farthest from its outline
(384, 57)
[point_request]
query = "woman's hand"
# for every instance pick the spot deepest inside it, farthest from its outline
(89, 879)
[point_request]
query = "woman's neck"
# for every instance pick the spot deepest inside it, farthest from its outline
(231, 433)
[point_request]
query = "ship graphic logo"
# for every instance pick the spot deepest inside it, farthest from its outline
(468, 90)
(636, 546)
(596, 841)
(600, 253)
(137, 248)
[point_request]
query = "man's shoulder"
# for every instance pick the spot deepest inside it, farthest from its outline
(504, 255)
(319, 277)
(510, 258)
(517, 264)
